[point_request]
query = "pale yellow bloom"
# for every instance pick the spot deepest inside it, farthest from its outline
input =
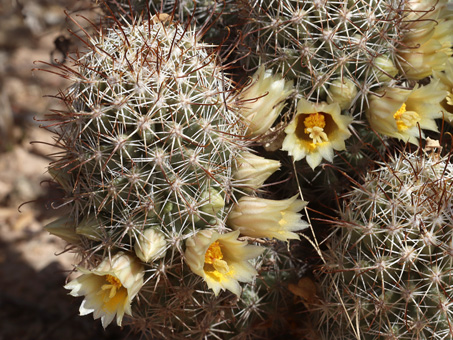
(109, 288)
(342, 92)
(252, 170)
(446, 80)
(263, 100)
(427, 41)
(151, 245)
(399, 113)
(221, 259)
(418, 10)
(315, 131)
(259, 217)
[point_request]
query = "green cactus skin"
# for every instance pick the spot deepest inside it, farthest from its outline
(389, 259)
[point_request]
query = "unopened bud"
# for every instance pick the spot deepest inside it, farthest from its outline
(63, 229)
(342, 92)
(386, 70)
(252, 170)
(151, 245)
(214, 201)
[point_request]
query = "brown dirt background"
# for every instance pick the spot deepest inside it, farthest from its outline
(33, 303)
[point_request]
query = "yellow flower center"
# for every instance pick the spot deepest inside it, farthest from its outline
(214, 256)
(113, 285)
(114, 281)
(314, 128)
(214, 252)
(405, 119)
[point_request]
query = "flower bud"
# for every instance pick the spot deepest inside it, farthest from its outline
(63, 229)
(252, 170)
(214, 201)
(385, 68)
(90, 228)
(259, 217)
(263, 100)
(150, 246)
(342, 92)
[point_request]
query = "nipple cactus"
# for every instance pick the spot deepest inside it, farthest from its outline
(389, 259)
(154, 157)
(319, 43)
(341, 51)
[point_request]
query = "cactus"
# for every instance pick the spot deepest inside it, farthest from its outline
(319, 42)
(149, 134)
(176, 234)
(183, 10)
(388, 262)
(324, 45)
(155, 156)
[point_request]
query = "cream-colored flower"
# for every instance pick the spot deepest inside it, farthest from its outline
(399, 113)
(342, 92)
(315, 131)
(446, 80)
(418, 10)
(427, 41)
(252, 170)
(263, 100)
(221, 259)
(151, 245)
(259, 217)
(109, 288)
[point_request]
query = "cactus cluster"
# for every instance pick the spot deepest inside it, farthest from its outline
(178, 232)
(388, 262)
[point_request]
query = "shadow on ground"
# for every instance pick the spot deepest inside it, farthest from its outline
(35, 306)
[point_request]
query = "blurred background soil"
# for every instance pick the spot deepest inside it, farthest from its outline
(33, 303)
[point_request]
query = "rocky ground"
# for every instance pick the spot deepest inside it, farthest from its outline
(33, 264)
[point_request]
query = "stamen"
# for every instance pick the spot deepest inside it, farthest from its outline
(213, 253)
(314, 128)
(405, 119)
(113, 286)
(314, 119)
(214, 257)
(114, 281)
